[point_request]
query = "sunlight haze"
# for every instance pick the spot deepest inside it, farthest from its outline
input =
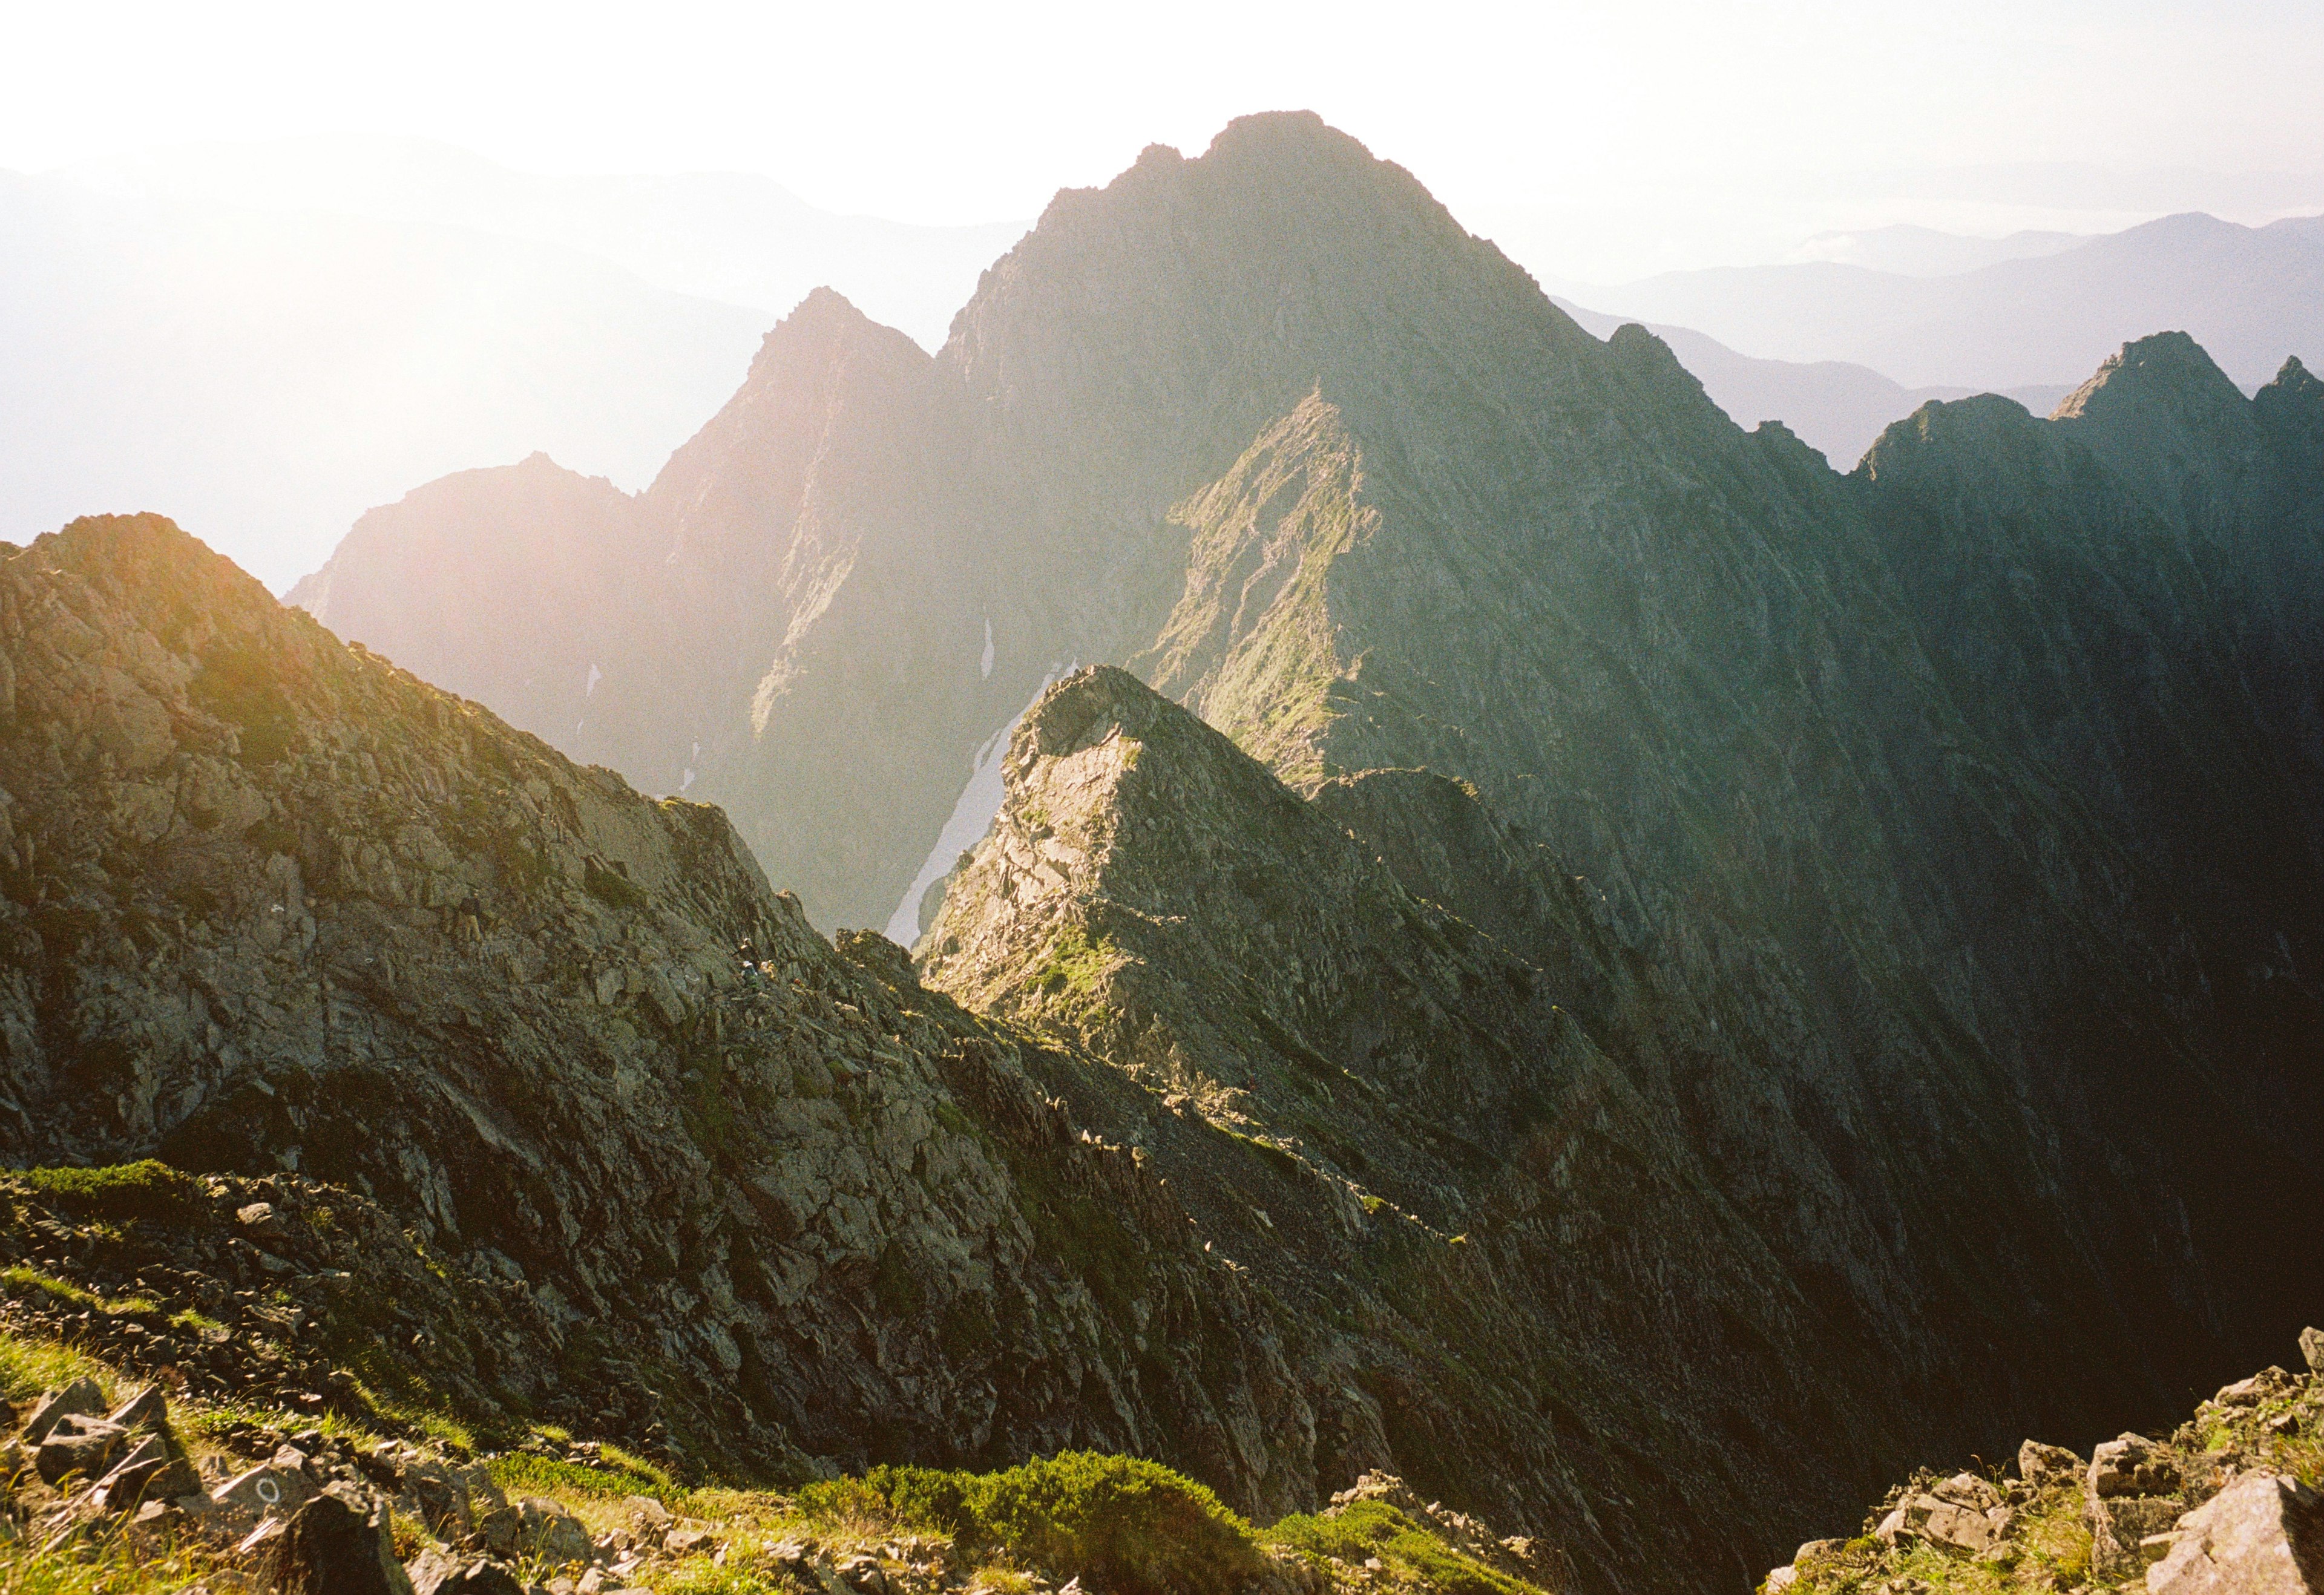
(1552, 120)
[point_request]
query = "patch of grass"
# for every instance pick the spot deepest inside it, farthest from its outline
(2055, 1535)
(149, 1189)
(522, 1473)
(116, 1568)
(194, 1321)
(1073, 964)
(700, 1576)
(1131, 1527)
(30, 1366)
(21, 1280)
(1364, 1529)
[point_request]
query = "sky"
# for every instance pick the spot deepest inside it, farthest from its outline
(1602, 140)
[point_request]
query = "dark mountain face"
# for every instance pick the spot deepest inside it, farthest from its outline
(1909, 880)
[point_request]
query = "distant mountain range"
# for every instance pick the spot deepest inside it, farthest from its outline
(1927, 252)
(2249, 295)
(272, 338)
(1834, 406)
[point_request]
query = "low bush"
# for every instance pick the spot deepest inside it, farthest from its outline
(1133, 1526)
(522, 1473)
(1364, 1529)
(144, 1190)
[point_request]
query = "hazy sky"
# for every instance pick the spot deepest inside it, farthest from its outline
(1687, 131)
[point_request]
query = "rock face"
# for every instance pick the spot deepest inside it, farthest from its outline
(2261, 1536)
(272, 905)
(1392, 1122)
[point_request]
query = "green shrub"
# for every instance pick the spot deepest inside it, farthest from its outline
(1363, 1529)
(1132, 1526)
(146, 1190)
(701, 1576)
(521, 1472)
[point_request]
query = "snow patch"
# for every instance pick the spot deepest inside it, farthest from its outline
(589, 687)
(988, 647)
(972, 817)
(688, 781)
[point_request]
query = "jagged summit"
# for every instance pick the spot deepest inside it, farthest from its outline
(2166, 370)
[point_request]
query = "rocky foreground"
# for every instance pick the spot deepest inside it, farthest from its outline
(2225, 1505)
(179, 1361)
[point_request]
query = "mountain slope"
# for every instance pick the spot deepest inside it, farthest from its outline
(1523, 1288)
(270, 904)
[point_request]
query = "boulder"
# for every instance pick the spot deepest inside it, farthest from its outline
(2121, 1527)
(433, 1573)
(80, 1444)
(81, 1398)
(264, 1490)
(2261, 1536)
(339, 1543)
(2265, 1385)
(1966, 1489)
(864, 1576)
(554, 1535)
(2131, 1464)
(2312, 1349)
(2039, 1464)
(149, 1474)
(148, 1409)
(1950, 1525)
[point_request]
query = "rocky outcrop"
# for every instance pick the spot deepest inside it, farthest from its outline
(2224, 1503)
(274, 909)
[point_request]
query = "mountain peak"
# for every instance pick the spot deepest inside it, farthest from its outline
(2170, 368)
(1274, 132)
(151, 558)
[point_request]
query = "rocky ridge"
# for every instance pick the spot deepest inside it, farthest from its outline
(274, 908)
(1493, 1245)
